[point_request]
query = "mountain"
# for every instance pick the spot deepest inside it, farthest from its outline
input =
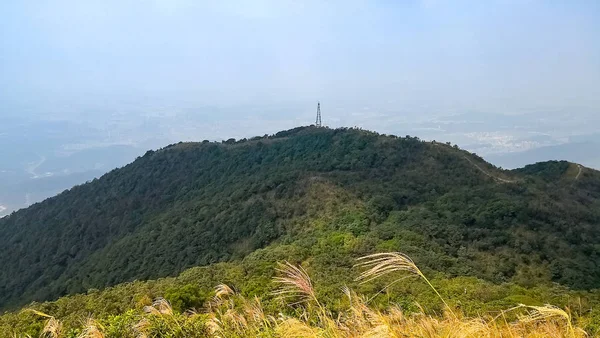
(193, 204)
(27, 177)
(584, 152)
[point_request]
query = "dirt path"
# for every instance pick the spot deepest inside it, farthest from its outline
(580, 171)
(488, 174)
(499, 179)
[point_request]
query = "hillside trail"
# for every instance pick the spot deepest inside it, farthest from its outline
(503, 180)
(580, 171)
(499, 179)
(580, 167)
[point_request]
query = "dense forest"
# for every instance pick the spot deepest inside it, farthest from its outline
(319, 194)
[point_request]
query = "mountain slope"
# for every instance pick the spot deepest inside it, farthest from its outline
(198, 203)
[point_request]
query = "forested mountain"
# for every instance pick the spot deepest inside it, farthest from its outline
(193, 204)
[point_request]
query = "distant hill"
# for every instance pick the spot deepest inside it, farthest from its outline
(21, 186)
(193, 204)
(584, 152)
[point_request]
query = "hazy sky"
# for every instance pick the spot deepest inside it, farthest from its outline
(449, 54)
(514, 81)
(257, 66)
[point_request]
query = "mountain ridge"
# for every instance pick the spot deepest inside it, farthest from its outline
(192, 204)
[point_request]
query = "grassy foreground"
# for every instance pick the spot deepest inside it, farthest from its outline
(228, 313)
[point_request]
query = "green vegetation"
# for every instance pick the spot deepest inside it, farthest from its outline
(313, 195)
(292, 304)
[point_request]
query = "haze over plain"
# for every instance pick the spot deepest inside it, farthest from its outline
(88, 86)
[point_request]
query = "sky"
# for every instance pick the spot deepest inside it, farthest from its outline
(86, 86)
(250, 67)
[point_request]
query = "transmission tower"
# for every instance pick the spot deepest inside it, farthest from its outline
(318, 122)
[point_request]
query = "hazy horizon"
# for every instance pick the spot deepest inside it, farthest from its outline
(87, 86)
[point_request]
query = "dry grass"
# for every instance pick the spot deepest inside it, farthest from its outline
(223, 290)
(159, 307)
(92, 329)
(52, 327)
(548, 312)
(230, 314)
(295, 283)
(381, 264)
